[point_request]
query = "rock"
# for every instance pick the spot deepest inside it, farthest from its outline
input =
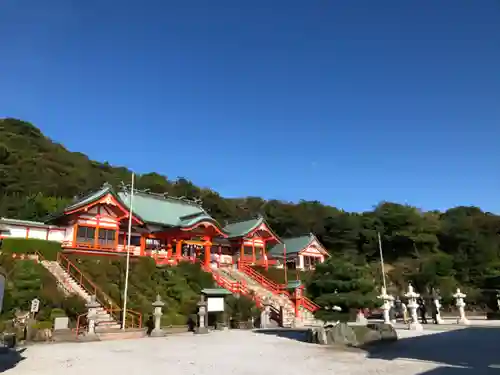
(341, 334)
(386, 332)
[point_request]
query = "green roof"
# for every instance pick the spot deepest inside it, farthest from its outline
(165, 210)
(149, 208)
(91, 197)
(215, 292)
(293, 245)
(242, 228)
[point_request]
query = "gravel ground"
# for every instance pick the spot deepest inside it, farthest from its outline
(218, 353)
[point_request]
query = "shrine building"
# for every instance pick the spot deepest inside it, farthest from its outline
(167, 229)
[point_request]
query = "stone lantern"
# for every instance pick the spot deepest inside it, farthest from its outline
(459, 297)
(387, 304)
(436, 298)
(202, 315)
(413, 306)
(158, 305)
(92, 307)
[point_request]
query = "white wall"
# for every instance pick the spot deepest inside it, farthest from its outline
(39, 233)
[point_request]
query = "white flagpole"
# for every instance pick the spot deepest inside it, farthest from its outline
(124, 315)
(381, 260)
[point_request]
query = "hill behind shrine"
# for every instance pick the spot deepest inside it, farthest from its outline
(432, 249)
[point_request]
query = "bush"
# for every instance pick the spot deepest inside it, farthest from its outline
(48, 249)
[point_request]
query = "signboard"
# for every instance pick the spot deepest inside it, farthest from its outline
(35, 305)
(215, 304)
(2, 289)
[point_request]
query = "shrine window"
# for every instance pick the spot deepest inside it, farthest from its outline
(106, 237)
(85, 234)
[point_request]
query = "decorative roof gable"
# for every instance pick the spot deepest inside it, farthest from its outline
(295, 245)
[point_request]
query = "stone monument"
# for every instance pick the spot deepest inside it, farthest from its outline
(202, 315)
(92, 307)
(412, 306)
(158, 305)
(387, 304)
(459, 296)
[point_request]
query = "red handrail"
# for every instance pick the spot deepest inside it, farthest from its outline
(309, 305)
(102, 298)
(262, 280)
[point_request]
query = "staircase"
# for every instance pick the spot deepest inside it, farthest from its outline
(249, 285)
(263, 287)
(71, 286)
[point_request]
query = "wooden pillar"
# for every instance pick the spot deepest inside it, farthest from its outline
(178, 249)
(220, 255)
(242, 251)
(253, 251)
(143, 244)
(75, 231)
(208, 247)
(169, 248)
(117, 235)
(264, 255)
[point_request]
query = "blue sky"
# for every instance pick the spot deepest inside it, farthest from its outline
(346, 102)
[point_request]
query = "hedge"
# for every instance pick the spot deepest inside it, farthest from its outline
(48, 249)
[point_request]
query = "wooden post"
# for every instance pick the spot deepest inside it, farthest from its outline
(208, 247)
(242, 252)
(253, 252)
(169, 248)
(178, 249)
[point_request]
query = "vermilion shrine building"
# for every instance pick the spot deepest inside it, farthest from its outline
(166, 229)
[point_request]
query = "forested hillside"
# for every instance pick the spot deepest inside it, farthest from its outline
(443, 249)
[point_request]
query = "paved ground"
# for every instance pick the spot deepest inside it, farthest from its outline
(467, 352)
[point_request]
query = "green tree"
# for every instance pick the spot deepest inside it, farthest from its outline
(342, 281)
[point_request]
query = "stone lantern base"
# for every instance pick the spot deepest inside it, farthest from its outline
(201, 330)
(158, 333)
(415, 326)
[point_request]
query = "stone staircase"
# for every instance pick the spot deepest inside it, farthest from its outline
(71, 287)
(276, 301)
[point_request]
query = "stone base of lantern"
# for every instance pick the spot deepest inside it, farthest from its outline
(158, 333)
(201, 330)
(463, 321)
(415, 326)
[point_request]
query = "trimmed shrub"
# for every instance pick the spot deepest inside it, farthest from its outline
(48, 249)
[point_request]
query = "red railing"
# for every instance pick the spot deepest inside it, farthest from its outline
(309, 305)
(102, 298)
(262, 280)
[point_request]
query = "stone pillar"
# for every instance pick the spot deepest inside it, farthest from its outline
(436, 298)
(386, 307)
(412, 307)
(202, 315)
(158, 304)
(459, 296)
(92, 307)
(265, 315)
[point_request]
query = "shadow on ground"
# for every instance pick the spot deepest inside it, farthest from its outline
(9, 358)
(469, 351)
(299, 334)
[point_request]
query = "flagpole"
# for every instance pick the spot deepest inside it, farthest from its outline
(124, 315)
(284, 264)
(381, 259)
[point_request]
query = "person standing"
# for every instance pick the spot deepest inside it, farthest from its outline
(150, 325)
